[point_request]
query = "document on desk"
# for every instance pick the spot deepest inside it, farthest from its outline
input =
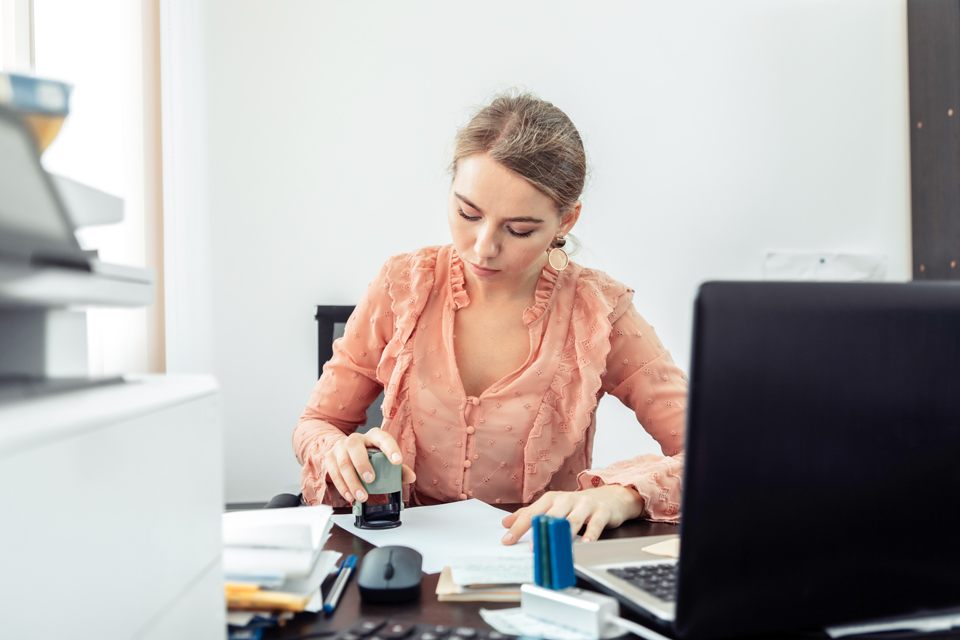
(445, 533)
(515, 622)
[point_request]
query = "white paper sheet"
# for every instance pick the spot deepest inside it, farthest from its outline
(444, 533)
(294, 528)
(310, 586)
(515, 622)
(492, 570)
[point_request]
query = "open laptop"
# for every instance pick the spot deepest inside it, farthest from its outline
(822, 463)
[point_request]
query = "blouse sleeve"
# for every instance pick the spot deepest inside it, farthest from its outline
(348, 386)
(641, 373)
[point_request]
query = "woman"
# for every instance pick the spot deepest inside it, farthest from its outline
(494, 351)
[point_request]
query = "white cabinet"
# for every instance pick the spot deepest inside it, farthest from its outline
(110, 503)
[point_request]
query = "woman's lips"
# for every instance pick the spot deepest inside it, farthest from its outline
(480, 271)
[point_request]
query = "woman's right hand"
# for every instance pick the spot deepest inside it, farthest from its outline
(348, 461)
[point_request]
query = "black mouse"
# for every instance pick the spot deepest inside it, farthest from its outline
(390, 574)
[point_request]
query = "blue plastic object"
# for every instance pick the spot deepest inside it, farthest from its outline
(552, 553)
(561, 554)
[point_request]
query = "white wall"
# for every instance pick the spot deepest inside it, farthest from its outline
(716, 131)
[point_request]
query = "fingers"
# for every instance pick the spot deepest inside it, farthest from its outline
(340, 469)
(386, 443)
(347, 466)
(519, 526)
(577, 517)
(519, 522)
(357, 452)
(598, 520)
(588, 508)
(333, 473)
(348, 461)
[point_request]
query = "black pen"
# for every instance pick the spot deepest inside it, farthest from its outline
(346, 568)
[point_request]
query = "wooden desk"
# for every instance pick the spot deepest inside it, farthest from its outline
(427, 609)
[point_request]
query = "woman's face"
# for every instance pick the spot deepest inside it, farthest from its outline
(500, 223)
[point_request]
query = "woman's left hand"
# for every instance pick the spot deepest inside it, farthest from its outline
(607, 506)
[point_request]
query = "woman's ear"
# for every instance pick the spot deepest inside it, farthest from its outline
(568, 219)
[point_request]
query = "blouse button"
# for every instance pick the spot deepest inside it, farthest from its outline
(433, 448)
(466, 464)
(497, 500)
(435, 481)
(463, 496)
(432, 411)
(470, 430)
(473, 401)
(509, 427)
(595, 482)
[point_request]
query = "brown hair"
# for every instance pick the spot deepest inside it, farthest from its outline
(532, 138)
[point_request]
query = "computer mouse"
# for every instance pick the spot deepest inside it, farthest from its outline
(390, 574)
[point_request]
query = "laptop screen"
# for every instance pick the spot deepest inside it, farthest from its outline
(823, 455)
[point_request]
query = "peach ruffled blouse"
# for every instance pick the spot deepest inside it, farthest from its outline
(529, 433)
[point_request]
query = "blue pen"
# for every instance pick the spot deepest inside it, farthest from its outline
(346, 568)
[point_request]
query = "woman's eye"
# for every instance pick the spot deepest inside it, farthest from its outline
(518, 234)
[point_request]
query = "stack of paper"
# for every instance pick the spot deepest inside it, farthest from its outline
(485, 579)
(273, 559)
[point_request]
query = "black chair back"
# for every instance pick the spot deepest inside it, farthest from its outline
(331, 320)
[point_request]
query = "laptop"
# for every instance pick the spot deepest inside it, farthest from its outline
(822, 463)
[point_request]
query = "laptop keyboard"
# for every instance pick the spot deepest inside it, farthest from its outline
(659, 580)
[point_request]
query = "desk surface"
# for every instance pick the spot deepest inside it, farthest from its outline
(427, 609)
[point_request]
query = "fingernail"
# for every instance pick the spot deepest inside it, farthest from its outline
(508, 538)
(361, 496)
(348, 497)
(368, 477)
(396, 458)
(584, 539)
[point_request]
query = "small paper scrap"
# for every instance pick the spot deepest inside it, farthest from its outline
(668, 548)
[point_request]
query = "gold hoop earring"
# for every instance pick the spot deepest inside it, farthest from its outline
(556, 256)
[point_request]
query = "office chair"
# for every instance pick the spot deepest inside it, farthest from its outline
(331, 321)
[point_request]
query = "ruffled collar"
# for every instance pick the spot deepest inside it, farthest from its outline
(546, 285)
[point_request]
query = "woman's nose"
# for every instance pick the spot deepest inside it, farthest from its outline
(487, 243)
